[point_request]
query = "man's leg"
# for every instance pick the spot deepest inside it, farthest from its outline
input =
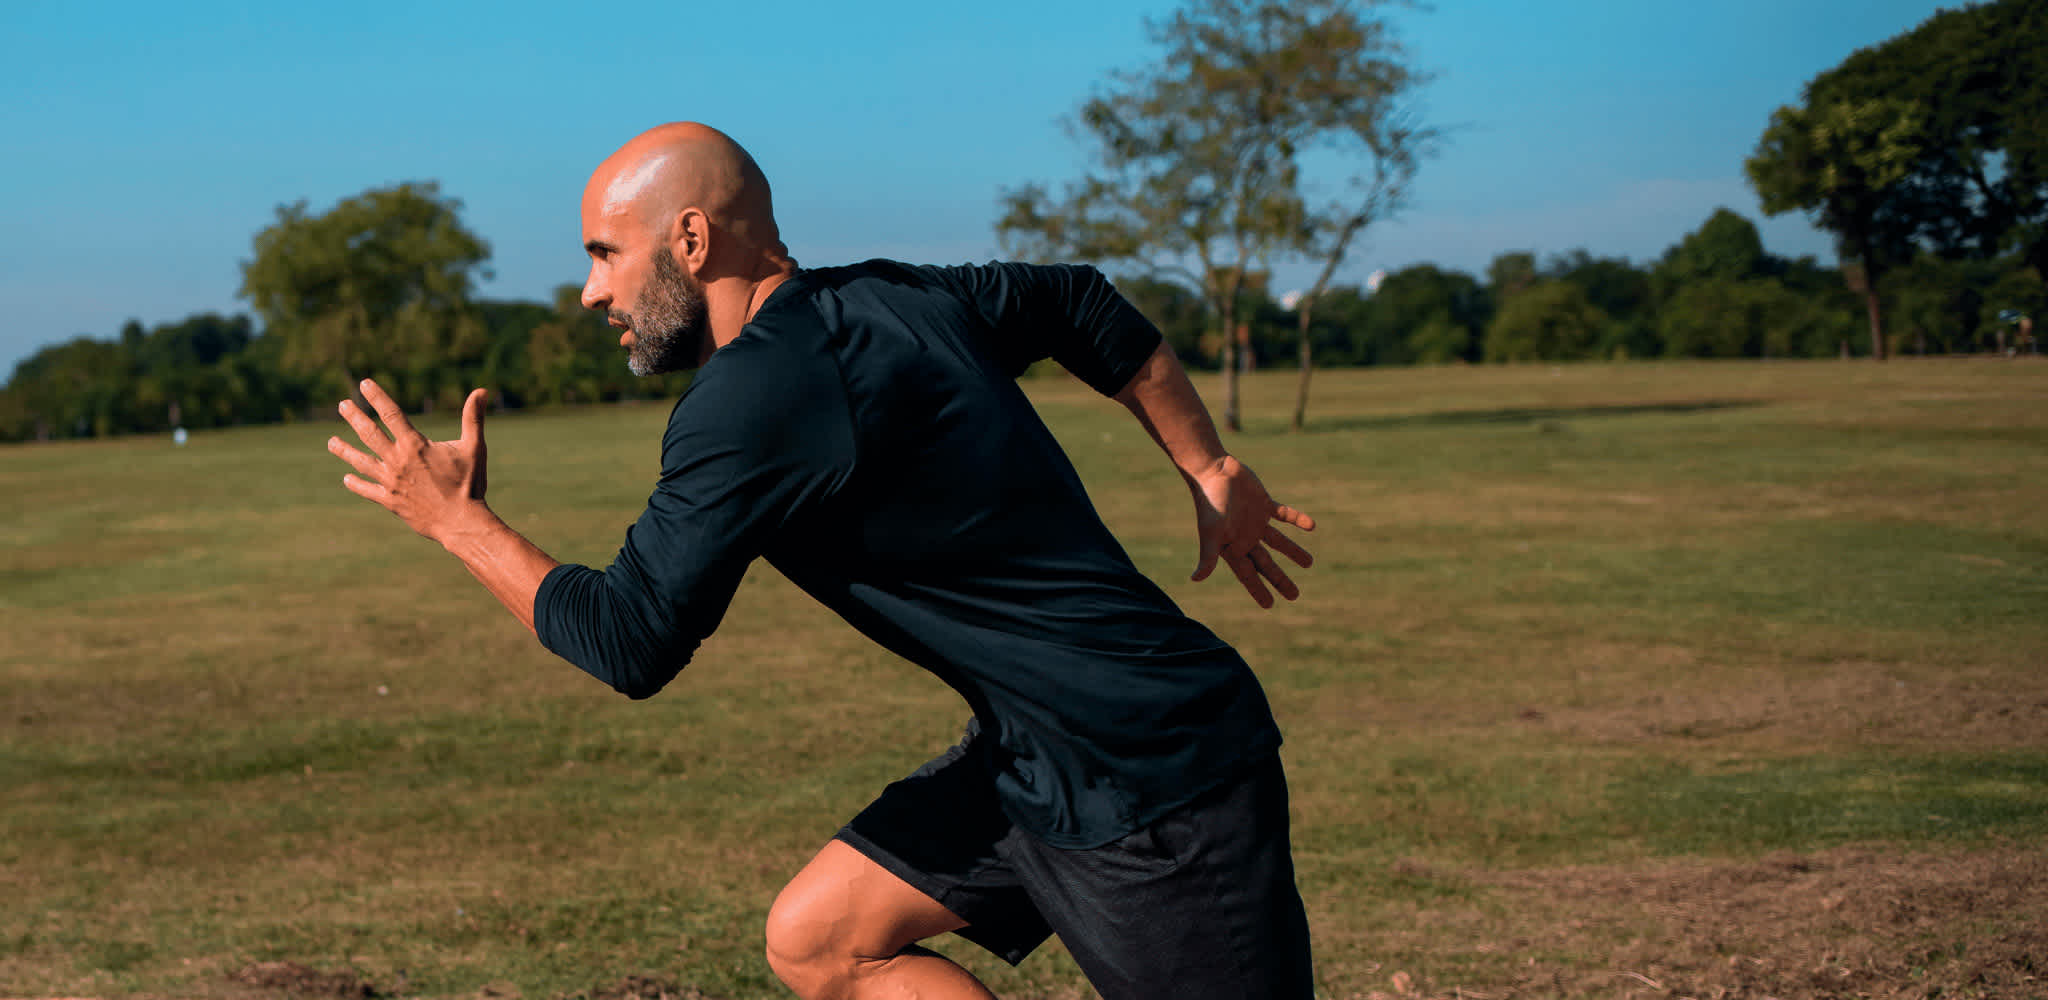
(846, 929)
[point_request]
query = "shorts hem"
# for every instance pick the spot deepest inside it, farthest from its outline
(991, 941)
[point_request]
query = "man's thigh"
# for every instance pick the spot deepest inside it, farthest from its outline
(1201, 904)
(844, 903)
(938, 831)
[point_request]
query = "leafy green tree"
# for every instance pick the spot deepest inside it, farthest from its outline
(379, 284)
(1949, 306)
(1934, 139)
(1446, 310)
(1199, 156)
(1745, 318)
(1509, 273)
(1842, 162)
(80, 388)
(1622, 291)
(1727, 247)
(1978, 74)
(178, 367)
(510, 327)
(1441, 340)
(1546, 321)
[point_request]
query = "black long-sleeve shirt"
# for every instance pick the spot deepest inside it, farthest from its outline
(865, 433)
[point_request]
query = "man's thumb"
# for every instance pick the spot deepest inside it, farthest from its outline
(473, 414)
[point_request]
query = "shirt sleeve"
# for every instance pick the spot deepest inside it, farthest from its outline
(758, 438)
(1067, 312)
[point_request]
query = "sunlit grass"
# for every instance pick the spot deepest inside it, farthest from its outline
(1582, 615)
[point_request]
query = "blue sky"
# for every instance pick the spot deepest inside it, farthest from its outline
(146, 143)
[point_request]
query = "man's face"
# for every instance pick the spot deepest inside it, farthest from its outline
(669, 324)
(635, 278)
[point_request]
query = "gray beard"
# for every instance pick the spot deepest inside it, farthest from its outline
(670, 321)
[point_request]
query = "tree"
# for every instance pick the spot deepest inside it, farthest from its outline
(1622, 291)
(379, 284)
(1935, 139)
(1420, 313)
(1509, 274)
(1727, 247)
(1743, 318)
(1199, 157)
(1839, 161)
(1979, 75)
(1547, 321)
(80, 388)
(1350, 81)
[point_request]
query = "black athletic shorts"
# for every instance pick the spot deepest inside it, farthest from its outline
(1200, 904)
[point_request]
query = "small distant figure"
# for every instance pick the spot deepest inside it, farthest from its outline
(2023, 333)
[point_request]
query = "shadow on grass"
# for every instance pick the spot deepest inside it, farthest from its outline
(1519, 415)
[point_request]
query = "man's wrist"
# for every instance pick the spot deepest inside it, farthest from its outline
(468, 528)
(1207, 466)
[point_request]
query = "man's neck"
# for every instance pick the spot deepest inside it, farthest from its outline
(734, 301)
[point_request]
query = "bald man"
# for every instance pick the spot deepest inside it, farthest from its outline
(861, 428)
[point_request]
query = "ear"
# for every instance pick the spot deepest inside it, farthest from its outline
(690, 238)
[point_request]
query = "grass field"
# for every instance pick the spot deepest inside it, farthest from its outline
(1639, 680)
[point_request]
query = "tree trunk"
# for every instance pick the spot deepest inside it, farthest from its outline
(1307, 369)
(1870, 304)
(1229, 359)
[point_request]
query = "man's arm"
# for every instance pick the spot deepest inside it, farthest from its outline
(1234, 515)
(437, 488)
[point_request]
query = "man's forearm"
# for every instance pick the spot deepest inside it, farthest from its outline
(501, 559)
(1165, 402)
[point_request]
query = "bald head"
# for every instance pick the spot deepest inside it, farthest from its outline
(682, 165)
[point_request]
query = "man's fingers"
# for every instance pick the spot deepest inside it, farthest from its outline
(372, 436)
(367, 490)
(1205, 561)
(473, 416)
(1269, 568)
(357, 460)
(388, 410)
(1282, 512)
(1287, 547)
(1248, 575)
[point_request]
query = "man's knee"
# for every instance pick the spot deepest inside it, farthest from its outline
(808, 946)
(845, 918)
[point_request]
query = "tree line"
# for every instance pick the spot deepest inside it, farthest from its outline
(1266, 133)
(1717, 293)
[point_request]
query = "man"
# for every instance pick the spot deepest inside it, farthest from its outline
(861, 428)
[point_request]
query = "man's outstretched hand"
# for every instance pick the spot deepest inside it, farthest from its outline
(1238, 521)
(436, 487)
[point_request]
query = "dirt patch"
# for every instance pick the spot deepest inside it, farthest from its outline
(290, 979)
(294, 980)
(642, 988)
(1839, 924)
(1859, 704)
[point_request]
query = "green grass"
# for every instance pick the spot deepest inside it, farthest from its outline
(1590, 615)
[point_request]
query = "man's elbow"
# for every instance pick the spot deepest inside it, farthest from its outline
(642, 673)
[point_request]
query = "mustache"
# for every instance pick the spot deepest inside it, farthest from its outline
(619, 316)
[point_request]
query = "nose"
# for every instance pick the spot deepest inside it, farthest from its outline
(595, 295)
